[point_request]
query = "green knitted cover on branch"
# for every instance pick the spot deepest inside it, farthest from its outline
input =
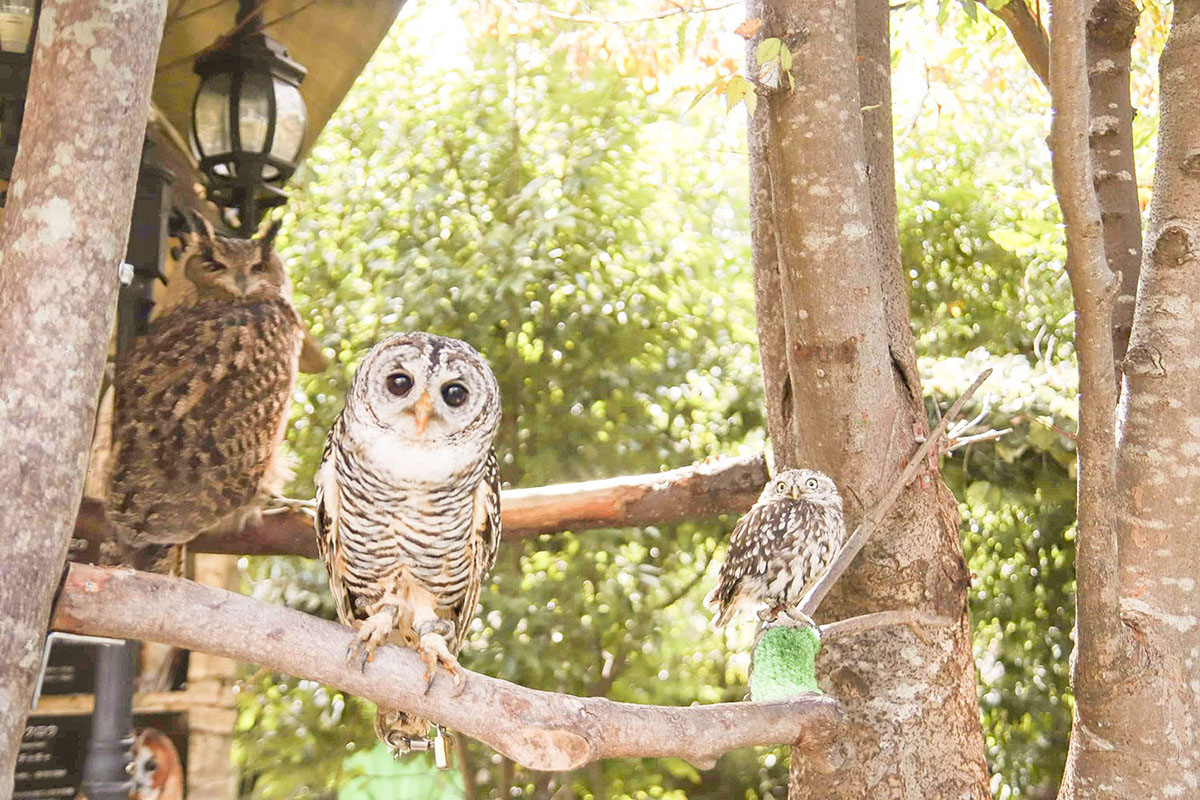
(785, 663)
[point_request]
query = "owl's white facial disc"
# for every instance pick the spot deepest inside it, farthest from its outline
(428, 392)
(802, 484)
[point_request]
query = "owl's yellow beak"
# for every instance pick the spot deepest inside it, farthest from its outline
(240, 279)
(795, 493)
(422, 411)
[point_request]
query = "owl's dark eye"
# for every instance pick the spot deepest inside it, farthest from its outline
(151, 765)
(811, 483)
(213, 266)
(259, 268)
(455, 394)
(399, 383)
(781, 486)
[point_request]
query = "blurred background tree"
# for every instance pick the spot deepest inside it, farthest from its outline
(534, 185)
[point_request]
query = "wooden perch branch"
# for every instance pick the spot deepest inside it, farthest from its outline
(877, 512)
(725, 485)
(539, 730)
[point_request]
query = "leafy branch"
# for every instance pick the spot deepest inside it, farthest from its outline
(774, 59)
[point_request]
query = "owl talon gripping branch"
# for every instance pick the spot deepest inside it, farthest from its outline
(373, 632)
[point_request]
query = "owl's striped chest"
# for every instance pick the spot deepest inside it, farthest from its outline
(393, 528)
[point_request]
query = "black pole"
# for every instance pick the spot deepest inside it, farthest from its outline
(105, 770)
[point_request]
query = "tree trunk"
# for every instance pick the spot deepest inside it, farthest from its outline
(1135, 733)
(65, 231)
(843, 396)
(1110, 30)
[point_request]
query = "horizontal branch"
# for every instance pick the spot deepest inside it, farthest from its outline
(721, 486)
(539, 730)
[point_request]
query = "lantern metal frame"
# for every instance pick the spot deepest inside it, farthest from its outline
(238, 178)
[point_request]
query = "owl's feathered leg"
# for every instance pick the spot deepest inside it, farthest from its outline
(373, 632)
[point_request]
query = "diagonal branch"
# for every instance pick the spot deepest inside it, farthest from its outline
(856, 540)
(1028, 34)
(699, 491)
(539, 730)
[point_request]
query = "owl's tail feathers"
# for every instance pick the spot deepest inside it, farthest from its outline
(399, 729)
(719, 601)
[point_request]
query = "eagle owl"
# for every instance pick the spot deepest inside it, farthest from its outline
(202, 403)
(780, 547)
(408, 504)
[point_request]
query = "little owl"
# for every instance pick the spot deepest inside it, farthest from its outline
(408, 505)
(780, 547)
(202, 403)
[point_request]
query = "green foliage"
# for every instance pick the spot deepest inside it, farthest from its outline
(981, 238)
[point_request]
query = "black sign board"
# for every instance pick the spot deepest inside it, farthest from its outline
(69, 670)
(50, 760)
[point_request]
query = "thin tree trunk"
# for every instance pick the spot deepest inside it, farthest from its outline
(1135, 733)
(65, 231)
(842, 397)
(1110, 31)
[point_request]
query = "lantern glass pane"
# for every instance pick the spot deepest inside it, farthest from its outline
(291, 117)
(254, 112)
(210, 117)
(16, 25)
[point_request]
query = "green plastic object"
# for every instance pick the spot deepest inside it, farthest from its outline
(785, 663)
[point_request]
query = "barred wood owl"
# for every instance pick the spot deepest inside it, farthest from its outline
(408, 504)
(202, 402)
(781, 546)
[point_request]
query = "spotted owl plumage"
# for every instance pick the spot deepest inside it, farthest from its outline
(408, 504)
(202, 403)
(781, 546)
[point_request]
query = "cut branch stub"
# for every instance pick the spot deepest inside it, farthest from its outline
(1173, 247)
(539, 730)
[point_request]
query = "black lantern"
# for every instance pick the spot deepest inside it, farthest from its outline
(17, 18)
(248, 119)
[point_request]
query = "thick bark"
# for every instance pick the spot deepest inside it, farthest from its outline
(724, 486)
(65, 231)
(1110, 31)
(539, 730)
(1135, 731)
(831, 315)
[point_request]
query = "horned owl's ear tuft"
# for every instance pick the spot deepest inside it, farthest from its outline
(201, 229)
(268, 236)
